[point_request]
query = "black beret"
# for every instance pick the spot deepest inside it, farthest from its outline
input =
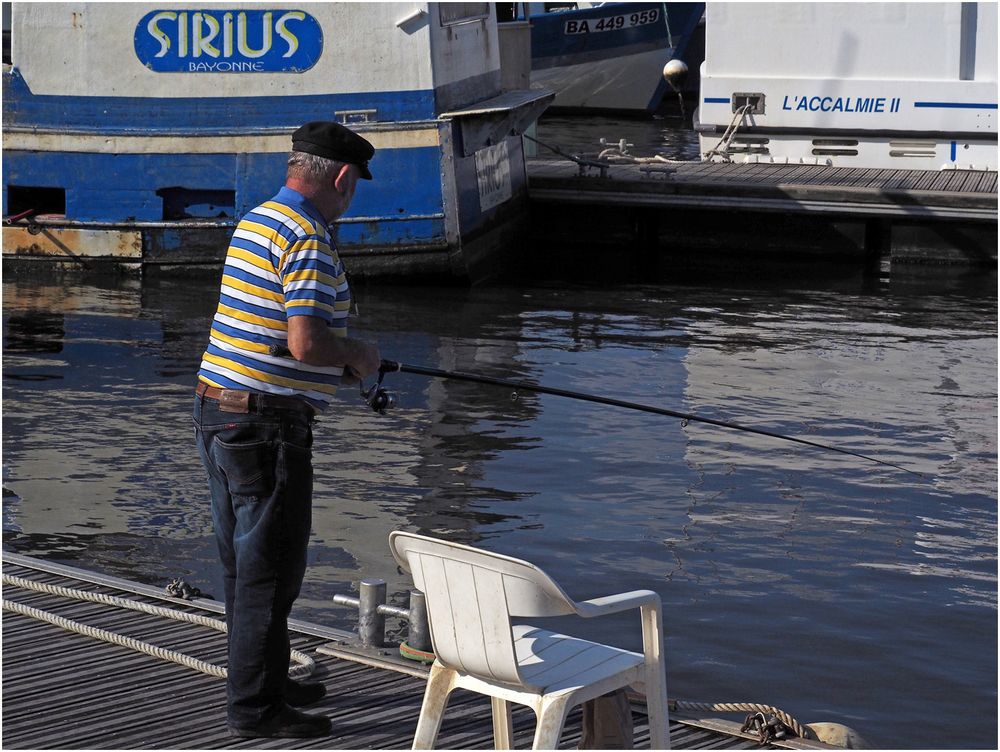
(334, 141)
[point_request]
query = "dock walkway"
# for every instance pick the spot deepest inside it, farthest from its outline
(63, 690)
(941, 194)
(922, 216)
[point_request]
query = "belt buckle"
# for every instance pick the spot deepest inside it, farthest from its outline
(234, 401)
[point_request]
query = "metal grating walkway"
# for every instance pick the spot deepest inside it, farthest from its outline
(62, 690)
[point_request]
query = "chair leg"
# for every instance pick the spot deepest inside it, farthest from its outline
(503, 724)
(655, 678)
(551, 713)
(440, 683)
(656, 707)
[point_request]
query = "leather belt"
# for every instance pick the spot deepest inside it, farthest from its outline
(242, 401)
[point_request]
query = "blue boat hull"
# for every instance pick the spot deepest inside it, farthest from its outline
(181, 165)
(610, 58)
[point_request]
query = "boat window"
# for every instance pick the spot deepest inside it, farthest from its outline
(506, 12)
(835, 152)
(6, 34)
(22, 198)
(197, 203)
(456, 13)
(750, 145)
(832, 147)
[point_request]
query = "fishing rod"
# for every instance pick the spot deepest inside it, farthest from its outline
(379, 400)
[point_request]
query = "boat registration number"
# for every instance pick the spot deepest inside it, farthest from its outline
(613, 23)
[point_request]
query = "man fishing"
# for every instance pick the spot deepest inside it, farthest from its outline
(283, 290)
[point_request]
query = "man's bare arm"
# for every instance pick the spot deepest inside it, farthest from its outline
(311, 341)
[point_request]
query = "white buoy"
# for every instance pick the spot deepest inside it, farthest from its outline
(674, 72)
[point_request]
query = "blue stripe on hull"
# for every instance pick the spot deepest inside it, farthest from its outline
(394, 231)
(122, 188)
(958, 105)
(199, 114)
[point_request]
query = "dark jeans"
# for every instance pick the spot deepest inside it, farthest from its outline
(260, 474)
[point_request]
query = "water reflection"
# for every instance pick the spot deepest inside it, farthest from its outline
(576, 135)
(858, 571)
(35, 332)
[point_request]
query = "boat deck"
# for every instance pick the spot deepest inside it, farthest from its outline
(63, 690)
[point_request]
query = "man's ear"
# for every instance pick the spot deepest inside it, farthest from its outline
(342, 180)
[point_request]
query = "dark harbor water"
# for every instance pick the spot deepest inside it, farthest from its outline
(668, 136)
(836, 589)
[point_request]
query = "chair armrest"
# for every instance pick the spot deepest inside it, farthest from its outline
(612, 604)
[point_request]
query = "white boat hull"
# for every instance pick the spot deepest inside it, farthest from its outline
(887, 85)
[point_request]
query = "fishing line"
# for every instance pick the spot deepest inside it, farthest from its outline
(389, 366)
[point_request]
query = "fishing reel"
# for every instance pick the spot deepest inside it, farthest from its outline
(376, 397)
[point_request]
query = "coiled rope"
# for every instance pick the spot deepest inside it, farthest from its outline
(742, 707)
(305, 663)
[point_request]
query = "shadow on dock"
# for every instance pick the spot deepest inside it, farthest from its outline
(63, 690)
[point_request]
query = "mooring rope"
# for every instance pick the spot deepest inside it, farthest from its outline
(742, 707)
(610, 156)
(721, 149)
(305, 663)
(117, 639)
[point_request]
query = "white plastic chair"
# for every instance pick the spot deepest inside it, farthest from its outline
(471, 596)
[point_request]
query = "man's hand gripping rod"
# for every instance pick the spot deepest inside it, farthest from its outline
(377, 398)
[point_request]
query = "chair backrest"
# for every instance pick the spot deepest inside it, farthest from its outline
(471, 596)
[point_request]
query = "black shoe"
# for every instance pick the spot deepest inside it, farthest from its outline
(288, 723)
(299, 693)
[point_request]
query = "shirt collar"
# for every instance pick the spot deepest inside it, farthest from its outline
(292, 197)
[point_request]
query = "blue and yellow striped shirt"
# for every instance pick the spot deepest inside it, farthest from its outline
(281, 262)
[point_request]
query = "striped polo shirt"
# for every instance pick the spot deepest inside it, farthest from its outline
(281, 262)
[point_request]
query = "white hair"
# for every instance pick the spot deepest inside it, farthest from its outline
(312, 167)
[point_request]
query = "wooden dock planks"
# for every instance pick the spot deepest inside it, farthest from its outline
(62, 690)
(951, 194)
